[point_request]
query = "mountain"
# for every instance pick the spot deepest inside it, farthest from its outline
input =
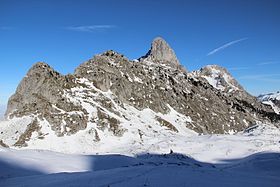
(219, 78)
(110, 100)
(272, 99)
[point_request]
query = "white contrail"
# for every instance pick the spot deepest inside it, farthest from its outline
(268, 63)
(225, 46)
(91, 28)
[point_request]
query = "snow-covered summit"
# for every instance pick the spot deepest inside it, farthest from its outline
(272, 99)
(219, 78)
(270, 96)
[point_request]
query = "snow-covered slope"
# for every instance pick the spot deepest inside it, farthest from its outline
(143, 139)
(272, 99)
(132, 126)
(250, 158)
(144, 131)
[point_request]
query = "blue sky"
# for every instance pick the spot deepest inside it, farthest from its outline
(243, 36)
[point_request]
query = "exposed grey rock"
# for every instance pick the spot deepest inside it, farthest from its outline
(40, 94)
(41, 82)
(161, 52)
(107, 122)
(25, 137)
(166, 124)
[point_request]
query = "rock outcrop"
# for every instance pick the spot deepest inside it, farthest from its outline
(161, 52)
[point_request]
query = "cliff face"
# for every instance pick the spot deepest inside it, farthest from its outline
(111, 96)
(161, 52)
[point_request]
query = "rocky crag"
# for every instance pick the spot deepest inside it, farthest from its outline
(112, 96)
(272, 99)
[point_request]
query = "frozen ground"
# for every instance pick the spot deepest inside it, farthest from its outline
(250, 158)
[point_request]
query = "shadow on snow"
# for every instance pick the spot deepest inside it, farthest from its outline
(152, 170)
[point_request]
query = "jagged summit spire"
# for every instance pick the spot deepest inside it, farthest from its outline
(161, 52)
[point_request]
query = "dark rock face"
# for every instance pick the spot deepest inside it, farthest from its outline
(156, 81)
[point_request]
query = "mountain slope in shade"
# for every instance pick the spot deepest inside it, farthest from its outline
(110, 100)
(272, 99)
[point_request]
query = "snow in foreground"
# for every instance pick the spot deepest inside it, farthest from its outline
(45, 168)
(251, 158)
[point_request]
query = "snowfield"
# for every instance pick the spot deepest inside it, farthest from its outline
(250, 158)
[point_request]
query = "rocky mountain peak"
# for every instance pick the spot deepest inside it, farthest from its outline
(42, 69)
(272, 99)
(40, 82)
(111, 53)
(161, 52)
(114, 55)
(219, 78)
(39, 66)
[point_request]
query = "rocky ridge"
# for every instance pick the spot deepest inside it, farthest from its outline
(112, 96)
(272, 99)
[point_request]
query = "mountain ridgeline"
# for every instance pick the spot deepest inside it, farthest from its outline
(272, 99)
(112, 96)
